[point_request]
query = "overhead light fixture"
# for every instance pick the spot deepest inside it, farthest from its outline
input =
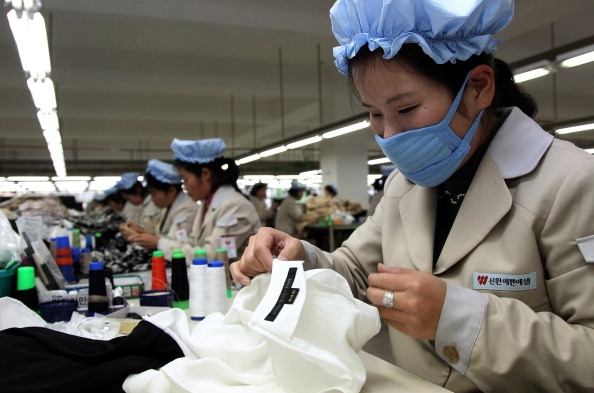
(591, 151)
(48, 120)
(273, 151)
(310, 173)
(577, 57)
(304, 142)
(43, 93)
(569, 130)
(346, 129)
(247, 159)
(30, 35)
(533, 71)
(378, 161)
(28, 178)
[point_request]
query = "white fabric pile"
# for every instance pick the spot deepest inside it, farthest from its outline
(289, 331)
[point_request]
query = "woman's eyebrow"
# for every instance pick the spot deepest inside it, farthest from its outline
(391, 100)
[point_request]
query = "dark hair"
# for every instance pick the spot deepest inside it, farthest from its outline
(115, 197)
(378, 184)
(224, 171)
(257, 187)
(152, 183)
(294, 191)
(451, 75)
(331, 189)
(136, 189)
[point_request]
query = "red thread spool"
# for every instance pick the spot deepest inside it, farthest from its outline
(159, 275)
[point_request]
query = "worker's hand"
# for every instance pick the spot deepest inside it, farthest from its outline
(146, 240)
(128, 229)
(263, 247)
(418, 299)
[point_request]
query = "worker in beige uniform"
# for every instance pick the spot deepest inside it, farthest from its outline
(225, 218)
(144, 214)
(479, 255)
(290, 215)
(257, 196)
(179, 210)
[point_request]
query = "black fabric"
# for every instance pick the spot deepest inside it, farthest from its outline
(36, 359)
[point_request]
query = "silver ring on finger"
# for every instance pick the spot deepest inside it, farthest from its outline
(388, 300)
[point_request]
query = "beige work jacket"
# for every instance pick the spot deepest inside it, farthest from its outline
(230, 213)
(530, 201)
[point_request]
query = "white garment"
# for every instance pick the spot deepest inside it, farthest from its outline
(311, 345)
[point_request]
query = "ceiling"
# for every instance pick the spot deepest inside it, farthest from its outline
(131, 75)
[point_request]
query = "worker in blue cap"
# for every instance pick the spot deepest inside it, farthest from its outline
(225, 218)
(479, 255)
(165, 188)
(140, 212)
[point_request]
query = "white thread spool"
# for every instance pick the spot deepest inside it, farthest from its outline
(198, 289)
(216, 288)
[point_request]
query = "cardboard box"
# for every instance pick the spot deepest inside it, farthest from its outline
(131, 284)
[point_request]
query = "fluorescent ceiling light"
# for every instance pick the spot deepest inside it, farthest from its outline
(578, 60)
(591, 151)
(28, 178)
(577, 57)
(43, 93)
(304, 142)
(311, 173)
(71, 186)
(247, 159)
(48, 120)
(38, 186)
(72, 178)
(532, 74)
(346, 130)
(378, 161)
(569, 130)
(30, 36)
(273, 151)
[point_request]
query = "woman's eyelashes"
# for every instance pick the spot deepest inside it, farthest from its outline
(407, 109)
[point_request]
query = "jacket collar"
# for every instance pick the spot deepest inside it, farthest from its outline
(519, 145)
(516, 150)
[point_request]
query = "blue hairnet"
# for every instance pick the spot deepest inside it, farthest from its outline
(163, 172)
(446, 30)
(200, 151)
(127, 180)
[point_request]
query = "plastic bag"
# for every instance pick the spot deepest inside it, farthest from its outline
(10, 246)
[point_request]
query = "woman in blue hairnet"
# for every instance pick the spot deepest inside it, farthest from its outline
(479, 256)
(225, 218)
(179, 210)
(140, 212)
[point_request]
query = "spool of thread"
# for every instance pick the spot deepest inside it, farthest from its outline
(98, 301)
(98, 244)
(89, 242)
(76, 260)
(118, 302)
(26, 290)
(179, 280)
(221, 255)
(85, 260)
(158, 272)
(75, 238)
(216, 288)
(198, 287)
(64, 258)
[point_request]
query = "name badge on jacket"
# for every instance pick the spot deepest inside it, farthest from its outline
(503, 282)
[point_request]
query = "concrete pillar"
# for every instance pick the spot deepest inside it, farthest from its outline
(343, 161)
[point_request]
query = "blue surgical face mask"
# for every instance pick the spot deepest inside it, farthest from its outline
(429, 156)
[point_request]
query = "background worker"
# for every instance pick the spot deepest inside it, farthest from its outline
(179, 210)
